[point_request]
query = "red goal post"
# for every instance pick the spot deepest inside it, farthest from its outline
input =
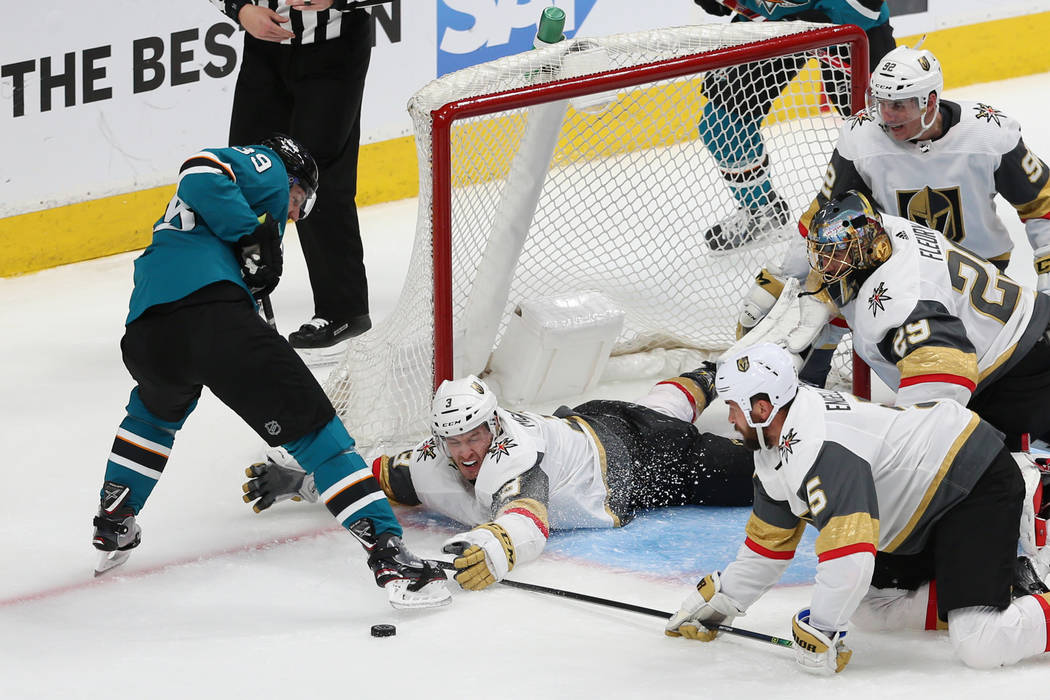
(471, 149)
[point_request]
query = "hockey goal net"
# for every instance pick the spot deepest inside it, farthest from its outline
(577, 167)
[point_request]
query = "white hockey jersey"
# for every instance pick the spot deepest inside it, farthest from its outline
(536, 464)
(869, 477)
(948, 184)
(936, 321)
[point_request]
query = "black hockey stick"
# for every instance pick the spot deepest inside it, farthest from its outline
(267, 308)
(583, 597)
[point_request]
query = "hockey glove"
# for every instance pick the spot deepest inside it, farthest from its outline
(813, 316)
(707, 605)
(759, 300)
(485, 555)
(1042, 268)
(818, 651)
(713, 7)
(260, 256)
(271, 483)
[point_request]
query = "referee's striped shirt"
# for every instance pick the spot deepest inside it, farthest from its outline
(309, 27)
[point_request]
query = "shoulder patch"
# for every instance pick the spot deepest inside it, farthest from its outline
(876, 302)
(502, 447)
(858, 119)
(427, 450)
(988, 113)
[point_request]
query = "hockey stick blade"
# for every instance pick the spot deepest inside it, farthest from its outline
(630, 607)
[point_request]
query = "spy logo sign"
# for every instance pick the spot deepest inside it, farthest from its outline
(474, 31)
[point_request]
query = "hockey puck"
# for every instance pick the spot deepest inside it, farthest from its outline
(383, 630)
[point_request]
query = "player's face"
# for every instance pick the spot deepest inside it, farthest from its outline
(296, 200)
(469, 449)
(901, 119)
(739, 423)
(834, 263)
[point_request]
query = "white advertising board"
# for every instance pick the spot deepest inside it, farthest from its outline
(102, 99)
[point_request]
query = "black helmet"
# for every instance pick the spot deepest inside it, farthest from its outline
(302, 170)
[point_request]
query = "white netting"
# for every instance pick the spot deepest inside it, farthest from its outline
(622, 200)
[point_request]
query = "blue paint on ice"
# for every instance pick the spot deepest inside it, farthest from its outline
(679, 543)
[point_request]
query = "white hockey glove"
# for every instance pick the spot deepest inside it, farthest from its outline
(707, 605)
(813, 317)
(1042, 268)
(818, 651)
(271, 483)
(484, 555)
(759, 300)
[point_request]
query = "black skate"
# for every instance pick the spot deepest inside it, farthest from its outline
(116, 532)
(748, 224)
(1026, 579)
(410, 582)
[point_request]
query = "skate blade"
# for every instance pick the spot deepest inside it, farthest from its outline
(433, 595)
(323, 357)
(111, 560)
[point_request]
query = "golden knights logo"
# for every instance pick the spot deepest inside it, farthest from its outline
(788, 442)
(988, 113)
(477, 387)
(924, 62)
(877, 297)
(939, 209)
(743, 364)
(859, 119)
(501, 448)
(428, 450)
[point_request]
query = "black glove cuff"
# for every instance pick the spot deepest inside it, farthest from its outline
(233, 8)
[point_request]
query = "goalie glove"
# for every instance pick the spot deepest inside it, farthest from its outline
(707, 605)
(484, 555)
(759, 300)
(1042, 268)
(260, 257)
(813, 316)
(271, 483)
(818, 651)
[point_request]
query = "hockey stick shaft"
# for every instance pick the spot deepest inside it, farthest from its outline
(619, 605)
(267, 307)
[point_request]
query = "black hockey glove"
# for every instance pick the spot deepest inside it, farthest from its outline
(262, 261)
(271, 483)
(713, 7)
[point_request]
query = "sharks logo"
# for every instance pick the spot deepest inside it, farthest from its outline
(875, 301)
(771, 6)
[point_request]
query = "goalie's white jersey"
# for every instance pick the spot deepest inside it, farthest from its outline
(869, 477)
(539, 466)
(936, 321)
(948, 184)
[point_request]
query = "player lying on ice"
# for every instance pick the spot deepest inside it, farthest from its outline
(515, 475)
(194, 323)
(917, 510)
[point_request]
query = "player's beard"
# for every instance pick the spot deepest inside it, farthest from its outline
(750, 438)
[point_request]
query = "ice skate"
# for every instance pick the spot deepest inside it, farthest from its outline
(116, 532)
(410, 582)
(746, 225)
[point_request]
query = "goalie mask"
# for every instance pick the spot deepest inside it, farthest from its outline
(763, 369)
(302, 170)
(460, 405)
(847, 235)
(901, 85)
